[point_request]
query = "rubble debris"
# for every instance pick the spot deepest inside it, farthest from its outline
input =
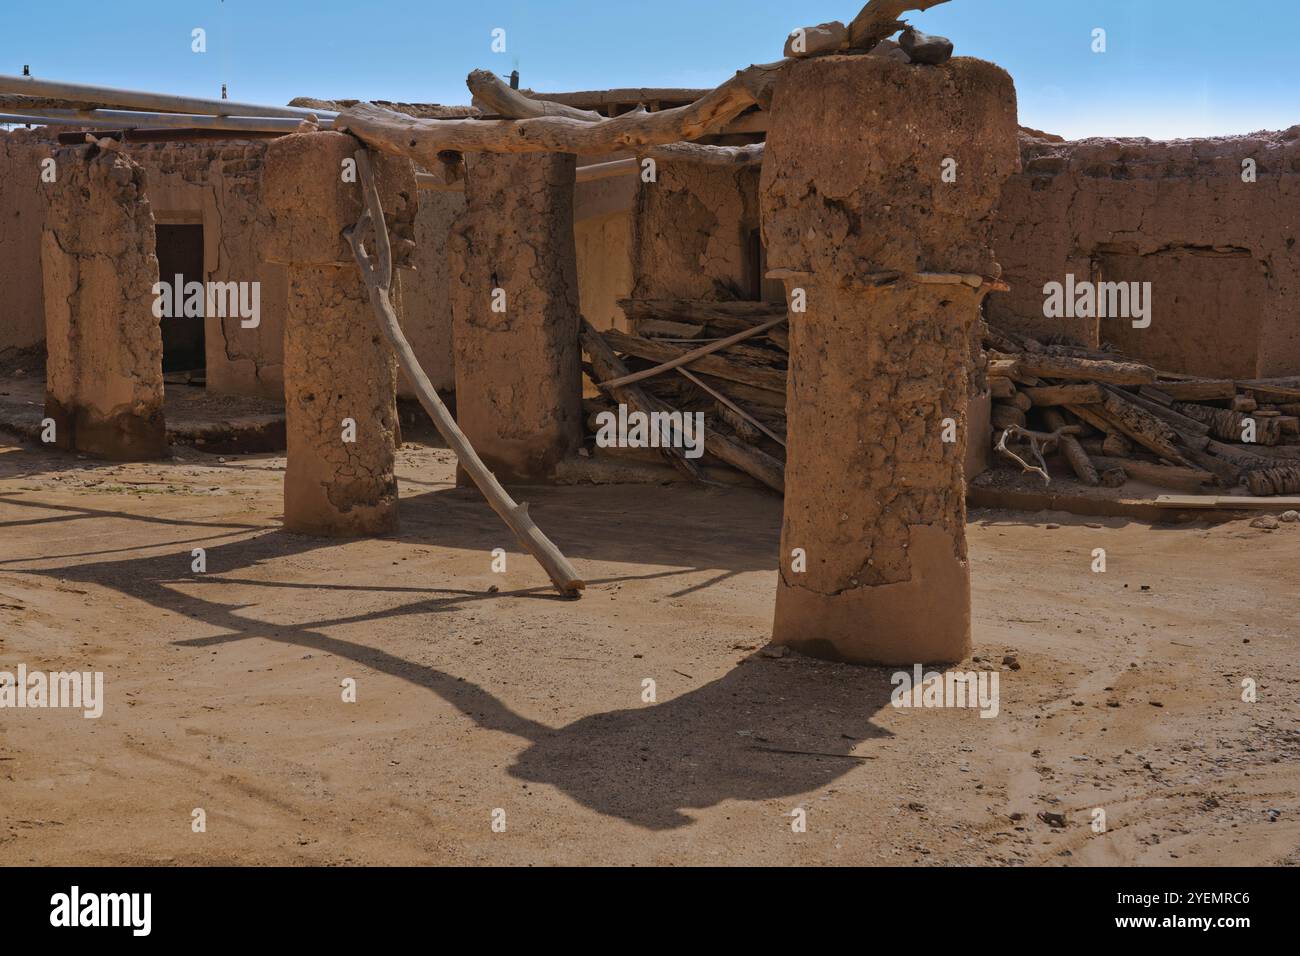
(1136, 422)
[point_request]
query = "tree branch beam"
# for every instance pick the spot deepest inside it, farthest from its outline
(493, 95)
(423, 140)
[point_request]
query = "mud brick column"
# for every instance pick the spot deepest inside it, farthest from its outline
(104, 383)
(337, 365)
(852, 191)
(518, 371)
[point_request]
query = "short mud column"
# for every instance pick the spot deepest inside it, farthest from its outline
(514, 295)
(878, 185)
(340, 376)
(104, 383)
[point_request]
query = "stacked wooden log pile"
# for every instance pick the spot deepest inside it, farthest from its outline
(725, 359)
(1113, 419)
(1109, 419)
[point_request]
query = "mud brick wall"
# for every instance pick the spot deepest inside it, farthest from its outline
(518, 371)
(219, 185)
(1218, 251)
(691, 233)
(22, 211)
(874, 496)
(104, 387)
(426, 313)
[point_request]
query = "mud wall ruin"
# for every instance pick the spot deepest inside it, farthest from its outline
(695, 235)
(217, 184)
(22, 211)
(104, 387)
(1217, 249)
(426, 292)
(602, 234)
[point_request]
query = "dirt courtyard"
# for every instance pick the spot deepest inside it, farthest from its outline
(479, 692)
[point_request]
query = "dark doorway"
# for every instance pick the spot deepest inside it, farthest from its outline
(180, 252)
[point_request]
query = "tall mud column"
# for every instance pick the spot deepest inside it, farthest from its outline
(858, 215)
(340, 376)
(104, 383)
(514, 295)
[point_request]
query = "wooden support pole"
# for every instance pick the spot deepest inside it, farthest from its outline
(1166, 476)
(377, 273)
(127, 119)
(1086, 394)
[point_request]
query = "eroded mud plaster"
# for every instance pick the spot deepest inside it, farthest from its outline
(104, 385)
(515, 314)
(426, 313)
(691, 233)
(874, 495)
(1218, 249)
(340, 374)
(219, 185)
(22, 214)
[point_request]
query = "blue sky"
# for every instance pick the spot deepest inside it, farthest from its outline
(1172, 67)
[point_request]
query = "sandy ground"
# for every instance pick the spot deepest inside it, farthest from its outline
(479, 691)
(194, 416)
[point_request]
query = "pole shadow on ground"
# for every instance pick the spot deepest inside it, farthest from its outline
(767, 729)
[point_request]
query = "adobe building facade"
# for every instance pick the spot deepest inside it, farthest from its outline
(212, 218)
(1210, 223)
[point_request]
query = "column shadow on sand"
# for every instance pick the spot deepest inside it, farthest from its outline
(766, 730)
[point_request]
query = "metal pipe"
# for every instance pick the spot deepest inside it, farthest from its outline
(163, 102)
(618, 167)
(114, 119)
(584, 174)
(130, 136)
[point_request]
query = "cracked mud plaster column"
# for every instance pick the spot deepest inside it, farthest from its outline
(104, 383)
(338, 369)
(853, 186)
(515, 311)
